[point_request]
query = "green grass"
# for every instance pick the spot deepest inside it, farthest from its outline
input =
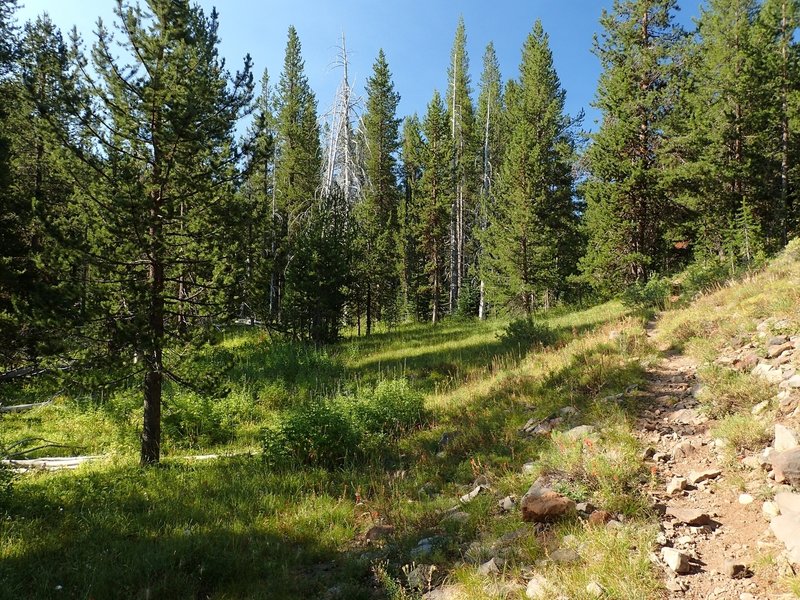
(235, 528)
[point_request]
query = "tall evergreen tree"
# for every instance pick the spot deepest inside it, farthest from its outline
(434, 207)
(156, 188)
(627, 204)
(298, 159)
(532, 233)
(381, 258)
(462, 130)
(413, 159)
(490, 130)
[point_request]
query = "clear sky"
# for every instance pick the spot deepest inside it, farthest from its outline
(415, 34)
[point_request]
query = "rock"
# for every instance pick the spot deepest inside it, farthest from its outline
(447, 592)
(565, 555)
(585, 508)
(540, 504)
(734, 569)
(752, 462)
(378, 532)
(595, 590)
(779, 349)
(421, 577)
(600, 517)
(761, 369)
(770, 510)
(538, 588)
(788, 503)
(425, 547)
(746, 362)
(745, 499)
(491, 566)
(787, 529)
(580, 432)
(648, 453)
(528, 468)
(676, 585)
(614, 524)
(793, 382)
(689, 516)
(569, 411)
(470, 496)
(687, 416)
(785, 438)
(787, 466)
(696, 477)
(676, 484)
(455, 516)
(777, 340)
(507, 503)
(675, 560)
(760, 407)
(682, 450)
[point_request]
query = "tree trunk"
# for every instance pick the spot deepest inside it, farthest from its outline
(369, 309)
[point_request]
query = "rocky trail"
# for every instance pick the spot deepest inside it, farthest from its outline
(719, 521)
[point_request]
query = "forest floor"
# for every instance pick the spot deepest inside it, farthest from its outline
(606, 416)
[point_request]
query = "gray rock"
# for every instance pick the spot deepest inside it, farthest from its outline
(785, 438)
(696, 477)
(425, 547)
(675, 560)
(676, 484)
(787, 466)
(470, 496)
(779, 349)
(538, 588)
(760, 407)
(421, 577)
(447, 592)
(491, 566)
(745, 499)
(734, 569)
(595, 590)
(793, 382)
(788, 503)
(777, 340)
(528, 468)
(585, 508)
(580, 432)
(689, 516)
(565, 555)
(787, 529)
(507, 504)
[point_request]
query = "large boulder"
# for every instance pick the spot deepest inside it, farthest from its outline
(787, 466)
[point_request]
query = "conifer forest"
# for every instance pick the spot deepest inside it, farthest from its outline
(258, 320)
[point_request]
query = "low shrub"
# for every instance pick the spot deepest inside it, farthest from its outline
(194, 419)
(527, 333)
(652, 295)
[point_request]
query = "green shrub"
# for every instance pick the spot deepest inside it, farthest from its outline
(391, 409)
(6, 485)
(319, 432)
(331, 432)
(527, 333)
(193, 419)
(651, 295)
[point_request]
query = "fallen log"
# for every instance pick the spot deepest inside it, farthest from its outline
(51, 463)
(18, 408)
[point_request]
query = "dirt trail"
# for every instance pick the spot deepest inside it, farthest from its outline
(724, 537)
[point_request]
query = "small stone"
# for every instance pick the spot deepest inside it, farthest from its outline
(568, 411)
(676, 484)
(785, 438)
(421, 577)
(696, 477)
(689, 516)
(675, 560)
(595, 590)
(682, 450)
(793, 382)
(676, 585)
(770, 510)
(538, 588)
(528, 468)
(379, 532)
(541, 504)
(614, 524)
(746, 362)
(491, 566)
(648, 453)
(600, 517)
(734, 569)
(585, 508)
(507, 504)
(580, 432)
(470, 496)
(779, 349)
(565, 555)
(777, 340)
(760, 407)
(745, 499)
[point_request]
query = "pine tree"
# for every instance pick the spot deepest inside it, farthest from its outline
(776, 27)
(534, 223)
(380, 259)
(723, 140)
(434, 207)
(627, 205)
(298, 167)
(490, 130)
(462, 130)
(413, 159)
(156, 187)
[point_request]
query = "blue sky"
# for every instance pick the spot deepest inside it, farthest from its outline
(415, 34)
